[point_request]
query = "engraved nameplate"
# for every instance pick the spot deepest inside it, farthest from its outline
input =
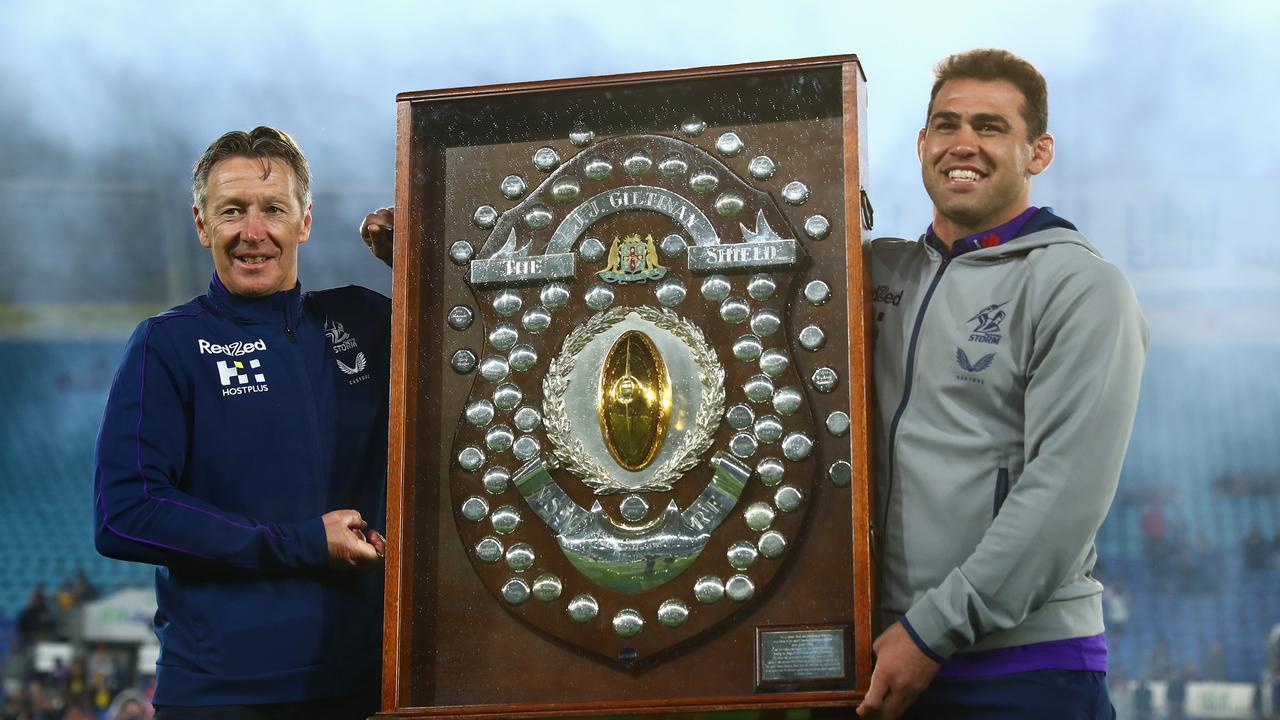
(747, 255)
(505, 271)
(633, 197)
(804, 656)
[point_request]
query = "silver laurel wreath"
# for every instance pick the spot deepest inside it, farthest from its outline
(569, 450)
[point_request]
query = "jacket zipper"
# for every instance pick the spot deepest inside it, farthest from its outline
(288, 331)
(302, 371)
(1002, 491)
(906, 396)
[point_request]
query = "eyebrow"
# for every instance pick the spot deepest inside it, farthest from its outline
(990, 118)
(264, 200)
(973, 119)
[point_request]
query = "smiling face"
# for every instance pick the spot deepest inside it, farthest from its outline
(976, 158)
(253, 222)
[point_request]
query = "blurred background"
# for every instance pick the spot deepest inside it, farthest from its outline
(1164, 113)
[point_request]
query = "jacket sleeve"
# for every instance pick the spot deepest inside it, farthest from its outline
(141, 511)
(1081, 396)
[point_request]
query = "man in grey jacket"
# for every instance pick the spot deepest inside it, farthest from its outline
(1007, 363)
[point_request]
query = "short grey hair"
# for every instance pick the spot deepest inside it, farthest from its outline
(261, 142)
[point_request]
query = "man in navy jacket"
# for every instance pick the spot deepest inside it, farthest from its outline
(243, 452)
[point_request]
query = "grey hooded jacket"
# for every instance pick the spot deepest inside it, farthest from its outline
(1007, 381)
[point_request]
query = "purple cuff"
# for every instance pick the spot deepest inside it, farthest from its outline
(1086, 653)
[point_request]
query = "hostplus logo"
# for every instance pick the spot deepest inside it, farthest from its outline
(236, 377)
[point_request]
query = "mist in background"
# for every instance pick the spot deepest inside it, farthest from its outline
(1164, 114)
(1161, 112)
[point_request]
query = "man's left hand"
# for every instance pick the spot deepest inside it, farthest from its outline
(349, 546)
(378, 231)
(902, 672)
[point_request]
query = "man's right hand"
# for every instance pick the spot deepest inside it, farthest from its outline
(901, 673)
(344, 531)
(377, 231)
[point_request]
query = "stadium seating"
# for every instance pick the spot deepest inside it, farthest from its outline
(1204, 413)
(54, 394)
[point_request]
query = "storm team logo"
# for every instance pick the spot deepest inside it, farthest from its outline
(987, 321)
(341, 341)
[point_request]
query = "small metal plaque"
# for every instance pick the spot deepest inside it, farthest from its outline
(808, 657)
(508, 271)
(742, 256)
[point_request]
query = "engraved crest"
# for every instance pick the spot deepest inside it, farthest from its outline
(632, 260)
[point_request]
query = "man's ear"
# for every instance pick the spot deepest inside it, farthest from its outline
(1041, 154)
(306, 226)
(920, 145)
(201, 230)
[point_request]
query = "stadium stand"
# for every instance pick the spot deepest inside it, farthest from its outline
(54, 394)
(1207, 459)
(1204, 451)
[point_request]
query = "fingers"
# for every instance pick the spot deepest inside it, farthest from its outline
(378, 233)
(896, 706)
(366, 556)
(873, 702)
(349, 544)
(378, 542)
(377, 222)
(354, 521)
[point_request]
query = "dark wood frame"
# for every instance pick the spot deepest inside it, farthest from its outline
(413, 383)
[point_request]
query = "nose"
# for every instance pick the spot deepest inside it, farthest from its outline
(964, 142)
(255, 227)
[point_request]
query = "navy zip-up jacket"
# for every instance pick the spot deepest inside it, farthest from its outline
(232, 425)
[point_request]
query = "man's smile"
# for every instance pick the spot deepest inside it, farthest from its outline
(966, 176)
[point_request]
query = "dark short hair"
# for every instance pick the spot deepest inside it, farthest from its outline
(261, 142)
(994, 64)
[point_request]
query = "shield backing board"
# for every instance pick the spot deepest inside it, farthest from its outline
(709, 222)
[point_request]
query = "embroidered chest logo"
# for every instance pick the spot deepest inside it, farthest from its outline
(235, 376)
(234, 349)
(983, 362)
(341, 341)
(986, 328)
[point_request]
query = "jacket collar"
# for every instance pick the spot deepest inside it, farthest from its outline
(980, 240)
(1023, 233)
(285, 305)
